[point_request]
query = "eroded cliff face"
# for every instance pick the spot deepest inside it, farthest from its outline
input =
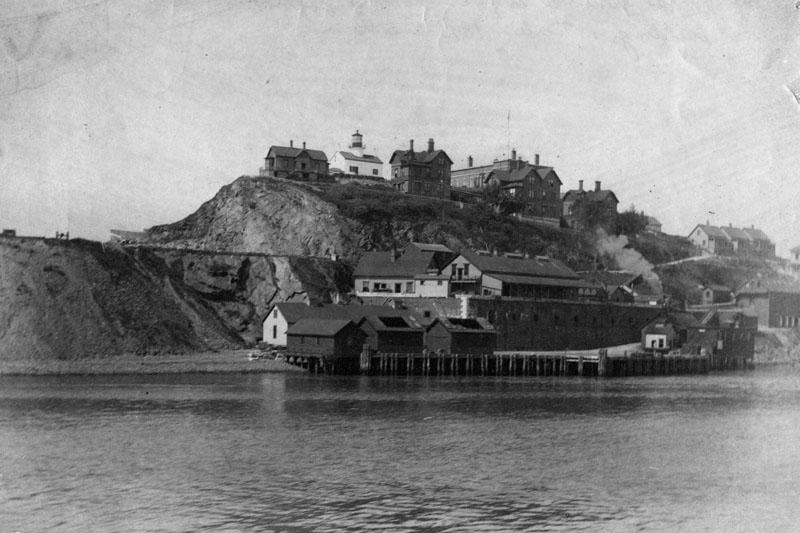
(260, 215)
(241, 287)
(72, 299)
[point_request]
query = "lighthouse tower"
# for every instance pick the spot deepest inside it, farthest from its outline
(356, 146)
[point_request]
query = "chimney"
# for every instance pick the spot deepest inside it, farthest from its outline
(596, 186)
(469, 161)
(536, 159)
(430, 145)
(580, 185)
(291, 144)
(411, 143)
(513, 154)
(304, 145)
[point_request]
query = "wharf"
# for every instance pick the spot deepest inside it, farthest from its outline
(598, 363)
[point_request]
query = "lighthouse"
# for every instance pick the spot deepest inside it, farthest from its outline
(356, 145)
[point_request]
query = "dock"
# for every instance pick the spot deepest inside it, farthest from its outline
(603, 363)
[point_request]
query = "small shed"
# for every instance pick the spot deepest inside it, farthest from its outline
(678, 330)
(392, 334)
(461, 336)
(715, 294)
(653, 225)
(328, 338)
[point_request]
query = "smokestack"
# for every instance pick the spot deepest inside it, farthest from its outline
(596, 186)
(469, 161)
(411, 144)
(291, 144)
(536, 159)
(304, 145)
(513, 154)
(580, 185)
(430, 145)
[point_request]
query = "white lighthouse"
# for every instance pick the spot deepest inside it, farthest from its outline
(355, 162)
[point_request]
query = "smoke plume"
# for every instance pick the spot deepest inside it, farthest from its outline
(617, 248)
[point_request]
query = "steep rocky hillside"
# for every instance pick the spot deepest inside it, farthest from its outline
(288, 218)
(241, 287)
(70, 299)
(73, 299)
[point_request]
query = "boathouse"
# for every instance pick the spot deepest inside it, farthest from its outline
(324, 338)
(461, 336)
(678, 331)
(393, 334)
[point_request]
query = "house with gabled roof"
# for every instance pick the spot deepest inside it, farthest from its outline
(354, 162)
(515, 275)
(301, 164)
(682, 331)
(460, 336)
(282, 316)
(761, 243)
(711, 239)
(393, 334)
(575, 200)
(424, 173)
(653, 225)
(414, 272)
(325, 338)
(742, 242)
(776, 301)
(537, 186)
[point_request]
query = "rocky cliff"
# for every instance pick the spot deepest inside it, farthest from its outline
(73, 299)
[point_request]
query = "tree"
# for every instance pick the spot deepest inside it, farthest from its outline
(630, 222)
(502, 202)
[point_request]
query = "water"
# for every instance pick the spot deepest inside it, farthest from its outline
(304, 453)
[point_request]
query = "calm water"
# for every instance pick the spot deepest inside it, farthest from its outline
(305, 453)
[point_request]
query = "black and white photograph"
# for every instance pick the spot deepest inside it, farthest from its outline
(426, 266)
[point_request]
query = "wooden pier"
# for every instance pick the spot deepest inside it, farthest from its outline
(597, 363)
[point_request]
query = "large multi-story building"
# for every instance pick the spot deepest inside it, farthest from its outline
(537, 186)
(355, 162)
(577, 200)
(424, 173)
(301, 164)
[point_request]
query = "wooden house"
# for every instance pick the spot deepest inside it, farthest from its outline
(461, 336)
(424, 173)
(393, 334)
(324, 338)
(675, 331)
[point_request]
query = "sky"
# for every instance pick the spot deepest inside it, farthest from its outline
(126, 114)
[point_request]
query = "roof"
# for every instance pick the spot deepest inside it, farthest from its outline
(538, 267)
(288, 151)
(591, 196)
(717, 288)
(424, 157)
(318, 327)
(679, 320)
(756, 234)
(795, 250)
(608, 277)
(653, 221)
(294, 312)
(736, 234)
(416, 259)
(464, 325)
(542, 281)
(391, 323)
(711, 231)
(366, 157)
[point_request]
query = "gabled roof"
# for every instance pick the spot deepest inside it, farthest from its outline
(611, 278)
(591, 196)
(293, 312)
(424, 157)
(717, 288)
(795, 250)
(287, 151)
(318, 327)
(463, 325)
(756, 234)
(653, 221)
(389, 323)
(416, 259)
(538, 267)
(736, 234)
(711, 231)
(366, 157)
(548, 172)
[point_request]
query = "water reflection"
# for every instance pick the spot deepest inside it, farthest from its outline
(299, 453)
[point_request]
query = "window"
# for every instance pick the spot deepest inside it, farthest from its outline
(274, 332)
(374, 171)
(354, 170)
(439, 282)
(466, 269)
(410, 286)
(317, 340)
(365, 286)
(453, 270)
(275, 313)
(427, 187)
